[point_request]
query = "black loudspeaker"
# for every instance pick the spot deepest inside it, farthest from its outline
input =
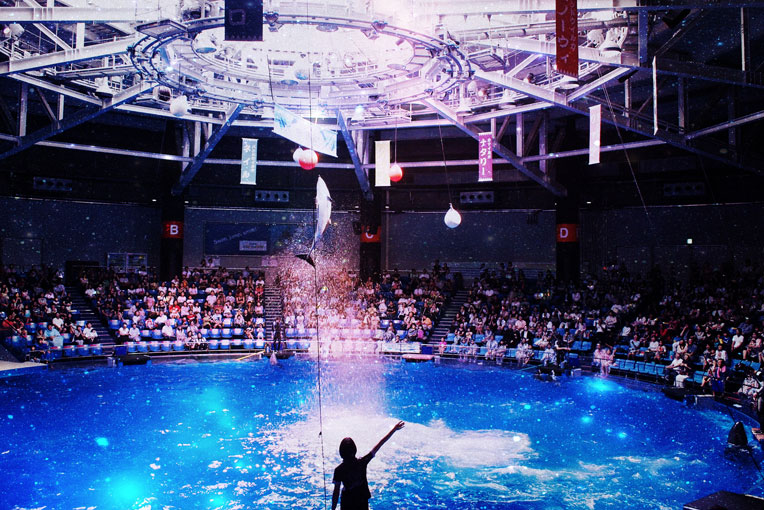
(243, 20)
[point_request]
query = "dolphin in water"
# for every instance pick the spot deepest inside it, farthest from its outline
(323, 218)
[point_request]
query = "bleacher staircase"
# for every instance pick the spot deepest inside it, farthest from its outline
(89, 314)
(449, 314)
(273, 308)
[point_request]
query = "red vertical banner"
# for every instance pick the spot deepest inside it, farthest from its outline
(485, 157)
(566, 19)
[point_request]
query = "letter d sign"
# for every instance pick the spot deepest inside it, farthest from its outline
(567, 233)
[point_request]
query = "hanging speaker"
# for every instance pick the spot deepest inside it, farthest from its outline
(243, 20)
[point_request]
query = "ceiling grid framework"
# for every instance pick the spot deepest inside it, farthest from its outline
(409, 64)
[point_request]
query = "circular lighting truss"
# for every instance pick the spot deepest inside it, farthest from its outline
(312, 65)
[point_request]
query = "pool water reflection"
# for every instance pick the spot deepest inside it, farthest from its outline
(247, 435)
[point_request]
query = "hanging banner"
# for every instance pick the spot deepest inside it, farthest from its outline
(248, 161)
(566, 20)
(595, 127)
(485, 157)
(303, 132)
(382, 163)
(655, 96)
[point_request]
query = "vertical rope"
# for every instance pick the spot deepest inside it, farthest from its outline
(318, 369)
(315, 285)
(445, 166)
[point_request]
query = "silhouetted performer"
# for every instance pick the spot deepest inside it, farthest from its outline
(278, 343)
(351, 474)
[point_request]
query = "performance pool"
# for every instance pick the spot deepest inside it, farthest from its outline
(228, 435)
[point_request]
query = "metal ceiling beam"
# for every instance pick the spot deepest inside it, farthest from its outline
(191, 170)
(458, 7)
(529, 89)
(597, 83)
(66, 56)
(628, 123)
(58, 89)
(665, 65)
(72, 15)
(57, 127)
(363, 179)
(499, 149)
(725, 125)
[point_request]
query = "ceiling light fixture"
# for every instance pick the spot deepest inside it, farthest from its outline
(204, 44)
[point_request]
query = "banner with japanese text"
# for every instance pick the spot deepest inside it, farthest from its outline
(248, 161)
(485, 157)
(566, 20)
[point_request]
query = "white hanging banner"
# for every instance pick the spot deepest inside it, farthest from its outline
(248, 161)
(655, 96)
(382, 163)
(303, 132)
(595, 128)
(485, 157)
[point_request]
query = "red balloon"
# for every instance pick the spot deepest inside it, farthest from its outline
(396, 172)
(308, 159)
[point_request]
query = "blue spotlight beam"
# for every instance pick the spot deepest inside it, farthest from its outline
(81, 117)
(191, 170)
(363, 179)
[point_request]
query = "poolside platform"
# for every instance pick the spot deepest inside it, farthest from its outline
(727, 501)
(10, 365)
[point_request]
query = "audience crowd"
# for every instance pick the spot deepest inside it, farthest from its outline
(710, 324)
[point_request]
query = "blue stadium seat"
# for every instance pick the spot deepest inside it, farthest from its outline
(248, 343)
(178, 345)
(130, 346)
(166, 346)
(96, 350)
(213, 344)
(142, 347)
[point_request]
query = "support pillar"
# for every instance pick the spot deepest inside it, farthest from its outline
(568, 246)
(370, 228)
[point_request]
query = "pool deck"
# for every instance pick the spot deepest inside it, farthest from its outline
(9, 365)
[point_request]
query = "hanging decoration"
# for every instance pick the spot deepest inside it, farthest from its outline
(452, 219)
(308, 159)
(396, 172)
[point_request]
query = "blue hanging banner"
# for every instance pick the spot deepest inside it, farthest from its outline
(303, 132)
(248, 161)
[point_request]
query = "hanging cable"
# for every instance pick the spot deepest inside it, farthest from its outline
(626, 153)
(445, 166)
(315, 289)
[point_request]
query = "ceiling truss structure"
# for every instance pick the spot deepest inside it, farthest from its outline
(412, 65)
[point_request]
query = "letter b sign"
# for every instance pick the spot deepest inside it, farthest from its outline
(173, 230)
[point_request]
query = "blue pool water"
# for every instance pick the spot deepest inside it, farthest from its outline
(246, 435)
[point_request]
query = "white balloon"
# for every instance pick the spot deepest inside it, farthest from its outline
(452, 219)
(179, 106)
(297, 155)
